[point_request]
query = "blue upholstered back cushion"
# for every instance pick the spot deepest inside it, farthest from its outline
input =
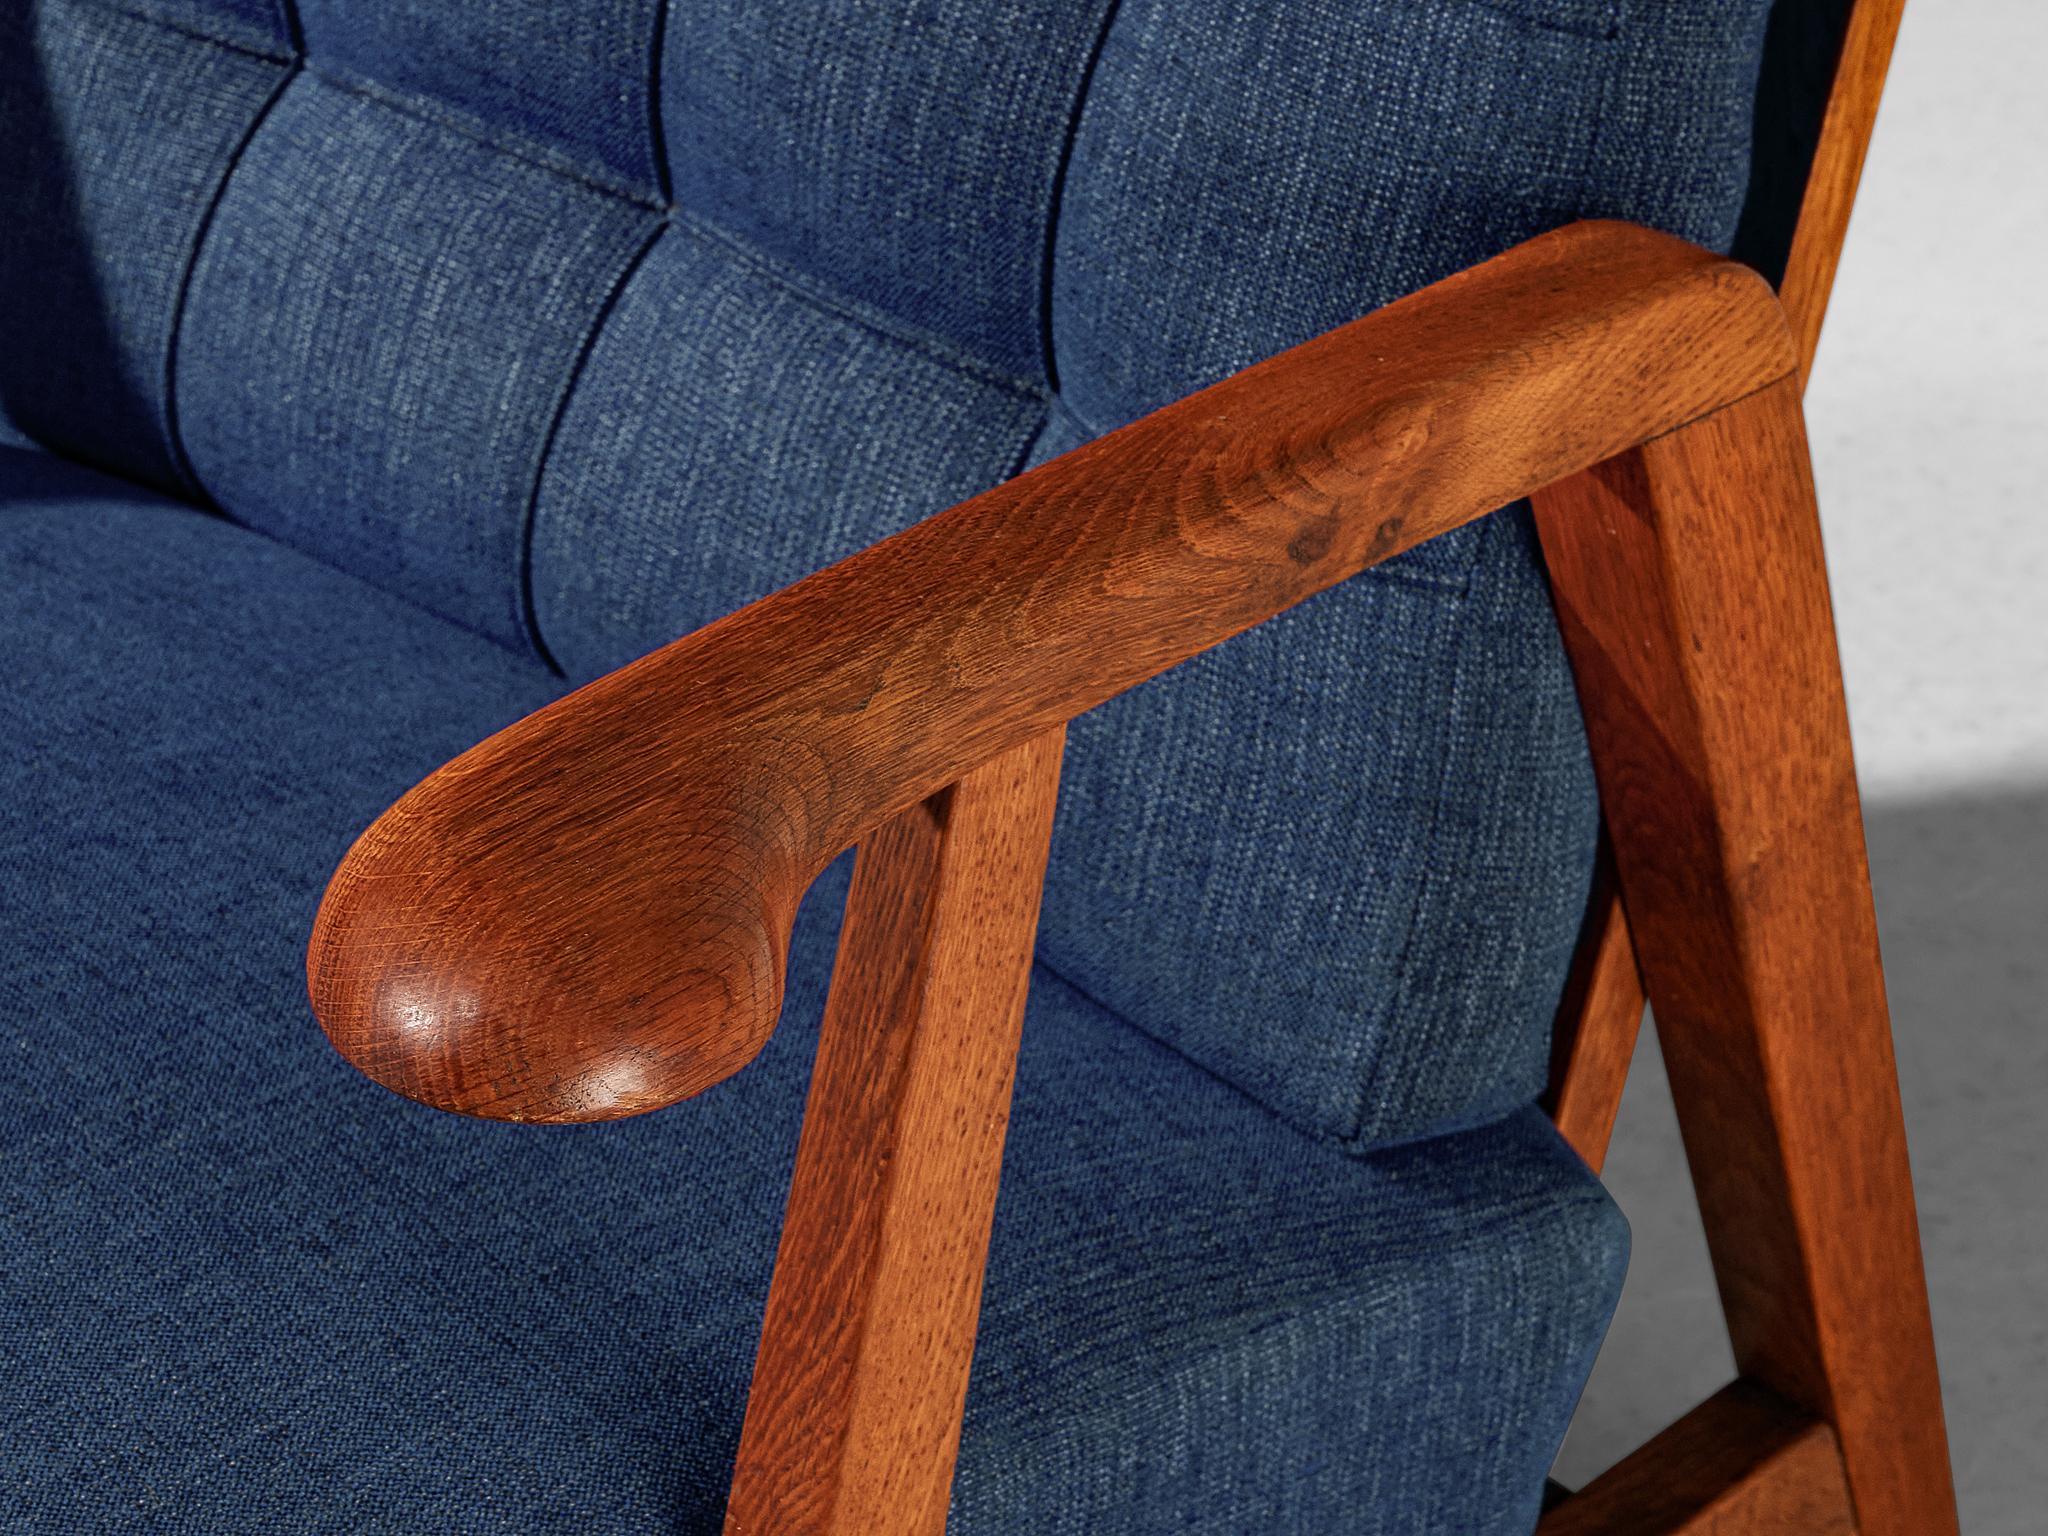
(116, 132)
(584, 325)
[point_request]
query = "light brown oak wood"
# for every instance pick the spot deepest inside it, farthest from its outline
(588, 914)
(862, 1371)
(1692, 594)
(1599, 1020)
(1743, 1463)
(1603, 1001)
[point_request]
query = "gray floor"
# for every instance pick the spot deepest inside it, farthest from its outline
(1962, 888)
(1927, 415)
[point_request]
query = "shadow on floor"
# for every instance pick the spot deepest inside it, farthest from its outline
(1962, 896)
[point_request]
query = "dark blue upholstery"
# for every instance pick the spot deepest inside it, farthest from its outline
(378, 334)
(246, 1292)
(117, 132)
(582, 333)
(514, 339)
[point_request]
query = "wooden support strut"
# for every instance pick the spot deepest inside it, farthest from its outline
(862, 1375)
(1744, 1462)
(1693, 598)
(1601, 1012)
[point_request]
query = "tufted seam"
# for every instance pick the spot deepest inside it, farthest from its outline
(1084, 431)
(528, 616)
(1606, 30)
(467, 126)
(1063, 160)
(657, 120)
(827, 298)
(137, 10)
(1021, 461)
(174, 439)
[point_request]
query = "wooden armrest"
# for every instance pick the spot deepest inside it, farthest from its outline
(588, 915)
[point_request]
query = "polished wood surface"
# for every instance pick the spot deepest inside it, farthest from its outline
(1693, 599)
(587, 915)
(1743, 1463)
(1599, 1021)
(1603, 1002)
(862, 1371)
(1838, 169)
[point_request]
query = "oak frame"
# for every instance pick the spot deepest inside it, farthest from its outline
(1732, 819)
(1601, 1013)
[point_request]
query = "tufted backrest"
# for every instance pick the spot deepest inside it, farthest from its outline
(584, 324)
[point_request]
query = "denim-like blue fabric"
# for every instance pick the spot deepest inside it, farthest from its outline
(247, 1291)
(1243, 185)
(567, 85)
(736, 428)
(1381, 810)
(1341, 860)
(379, 335)
(257, 26)
(115, 135)
(582, 330)
(906, 155)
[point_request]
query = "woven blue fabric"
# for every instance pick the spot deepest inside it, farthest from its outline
(584, 330)
(116, 133)
(905, 156)
(379, 335)
(1341, 861)
(245, 1290)
(569, 86)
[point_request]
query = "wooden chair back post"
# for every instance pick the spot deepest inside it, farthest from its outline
(1693, 597)
(1769, 991)
(1837, 170)
(1601, 1012)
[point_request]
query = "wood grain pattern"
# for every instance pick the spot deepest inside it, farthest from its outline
(862, 1374)
(1838, 169)
(1693, 598)
(1744, 1462)
(1599, 1021)
(587, 915)
(1603, 1001)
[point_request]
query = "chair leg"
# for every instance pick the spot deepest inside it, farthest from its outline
(854, 1416)
(1599, 1020)
(1745, 1461)
(1693, 596)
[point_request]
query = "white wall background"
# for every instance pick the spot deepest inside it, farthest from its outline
(1929, 410)
(1929, 417)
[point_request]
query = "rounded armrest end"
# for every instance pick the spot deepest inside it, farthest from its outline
(506, 943)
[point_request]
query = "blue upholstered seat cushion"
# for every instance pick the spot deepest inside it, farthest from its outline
(245, 1290)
